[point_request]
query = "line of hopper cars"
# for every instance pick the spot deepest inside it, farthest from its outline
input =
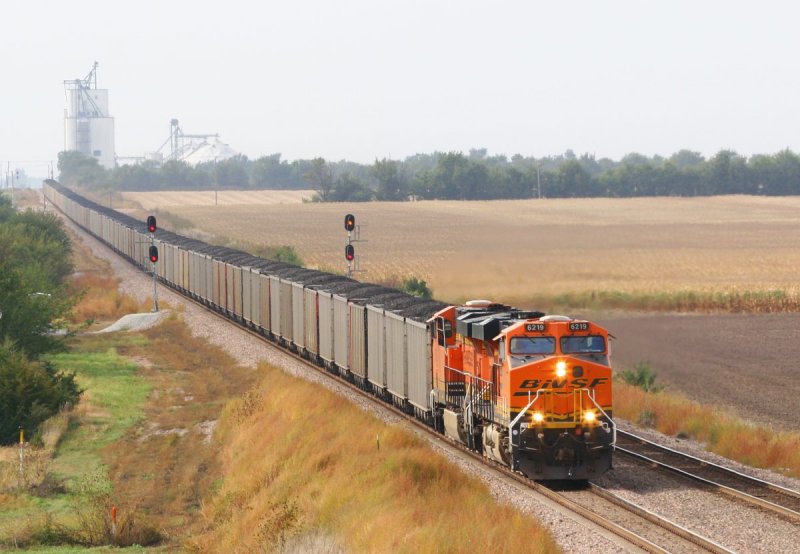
(420, 355)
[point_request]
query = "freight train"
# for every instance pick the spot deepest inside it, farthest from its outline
(527, 390)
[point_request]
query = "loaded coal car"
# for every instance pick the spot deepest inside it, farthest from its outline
(525, 389)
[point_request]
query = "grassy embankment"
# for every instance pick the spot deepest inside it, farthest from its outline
(310, 473)
(324, 472)
(721, 431)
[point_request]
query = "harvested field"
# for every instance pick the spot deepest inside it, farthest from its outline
(521, 251)
(169, 199)
(515, 250)
(744, 362)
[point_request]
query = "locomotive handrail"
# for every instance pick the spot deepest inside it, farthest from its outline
(513, 424)
(467, 374)
(602, 411)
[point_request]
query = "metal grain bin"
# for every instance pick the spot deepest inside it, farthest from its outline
(286, 310)
(247, 313)
(396, 363)
(376, 347)
(418, 347)
(275, 304)
(311, 320)
(264, 301)
(325, 300)
(358, 340)
(298, 315)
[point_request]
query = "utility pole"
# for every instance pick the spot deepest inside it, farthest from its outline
(538, 183)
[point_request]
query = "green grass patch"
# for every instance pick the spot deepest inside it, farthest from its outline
(116, 396)
(112, 403)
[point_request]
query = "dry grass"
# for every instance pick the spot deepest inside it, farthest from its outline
(532, 253)
(722, 432)
(100, 299)
(27, 198)
(323, 467)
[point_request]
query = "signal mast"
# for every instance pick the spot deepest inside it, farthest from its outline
(151, 228)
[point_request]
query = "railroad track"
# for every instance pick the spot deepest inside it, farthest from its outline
(635, 525)
(768, 496)
(639, 527)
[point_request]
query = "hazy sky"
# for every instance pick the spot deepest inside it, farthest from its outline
(370, 78)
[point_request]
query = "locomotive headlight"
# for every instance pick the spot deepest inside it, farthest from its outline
(589, 416)
(538, 417)
(561, 369)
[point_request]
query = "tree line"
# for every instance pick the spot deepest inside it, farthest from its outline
(459, 176)
(35, 260)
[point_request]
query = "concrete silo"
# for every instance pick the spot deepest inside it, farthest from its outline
(88, 127)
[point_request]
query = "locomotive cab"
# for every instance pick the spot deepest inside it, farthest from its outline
(527, 390)
(557, 381)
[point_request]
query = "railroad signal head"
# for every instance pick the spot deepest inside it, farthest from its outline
(153, 254)
(349, 222)
(151, 223)
(349, 252)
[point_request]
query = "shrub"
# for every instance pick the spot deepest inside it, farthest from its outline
(30, 392)
(416, 287)
(641, 376)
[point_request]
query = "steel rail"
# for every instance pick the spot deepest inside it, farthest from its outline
(559, 498)
(768, 496)
(672, 527)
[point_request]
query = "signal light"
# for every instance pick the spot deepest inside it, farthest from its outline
(349, 222)
(153, 254)
(349, 252)
(151, 223)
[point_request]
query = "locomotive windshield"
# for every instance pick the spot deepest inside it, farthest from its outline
(593, 344)
(523, 346)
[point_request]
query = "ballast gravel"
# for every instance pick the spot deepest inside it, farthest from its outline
(736, 526)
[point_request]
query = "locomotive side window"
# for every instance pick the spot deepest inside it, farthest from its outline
(592, 344)
(444, 330)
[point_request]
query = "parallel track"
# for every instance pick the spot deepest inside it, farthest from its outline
(636, 525)
(639, 527)
(767, 496)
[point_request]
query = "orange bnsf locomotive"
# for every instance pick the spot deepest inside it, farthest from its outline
(527, 390)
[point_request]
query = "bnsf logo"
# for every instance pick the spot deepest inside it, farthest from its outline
(556, 384)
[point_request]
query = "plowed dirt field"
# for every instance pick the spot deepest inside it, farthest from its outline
(746, 362)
